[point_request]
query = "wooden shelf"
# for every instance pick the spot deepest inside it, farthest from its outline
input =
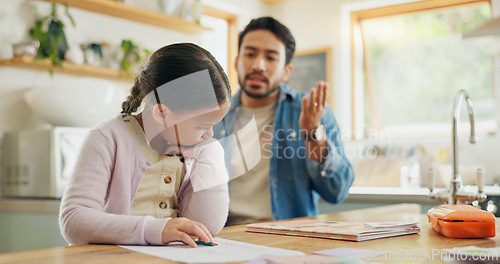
(110, 8)
(121, 10)
(274, 1)
(28, 62)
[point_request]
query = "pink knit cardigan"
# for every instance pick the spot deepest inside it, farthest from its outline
(95, 207)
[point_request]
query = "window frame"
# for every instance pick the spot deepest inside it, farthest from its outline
(232, 44)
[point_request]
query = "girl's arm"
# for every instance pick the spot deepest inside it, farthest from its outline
(95, 210)
(205, 198)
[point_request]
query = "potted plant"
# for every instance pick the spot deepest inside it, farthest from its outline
(49, 31)
(133, 56)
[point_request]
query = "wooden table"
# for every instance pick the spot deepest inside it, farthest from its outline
(417, 248)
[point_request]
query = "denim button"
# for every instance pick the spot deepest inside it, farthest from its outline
(323, 173)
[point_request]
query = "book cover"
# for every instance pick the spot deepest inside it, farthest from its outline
(350, 231)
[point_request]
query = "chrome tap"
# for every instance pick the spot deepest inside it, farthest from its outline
(456, 194)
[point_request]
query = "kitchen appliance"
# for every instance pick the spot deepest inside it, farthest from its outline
(38, 163)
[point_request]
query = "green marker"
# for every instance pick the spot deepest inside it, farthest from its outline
(199, 242)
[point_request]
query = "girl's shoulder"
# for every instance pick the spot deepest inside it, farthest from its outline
(110, 123)
(114, 130)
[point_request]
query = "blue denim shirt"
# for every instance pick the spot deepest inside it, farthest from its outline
(295, 180)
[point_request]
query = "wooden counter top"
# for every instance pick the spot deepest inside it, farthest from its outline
(417, 248)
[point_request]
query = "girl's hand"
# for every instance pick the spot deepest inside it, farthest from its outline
(179, 229)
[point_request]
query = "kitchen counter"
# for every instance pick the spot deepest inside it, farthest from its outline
(420, 248)
(387, 194)
(356, 194)
(30, 205)
(407, 195)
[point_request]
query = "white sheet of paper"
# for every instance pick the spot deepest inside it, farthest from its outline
(472, 254)
(225, 251)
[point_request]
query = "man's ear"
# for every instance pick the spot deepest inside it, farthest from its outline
(236, 62)
(287, 73)
(161, 113)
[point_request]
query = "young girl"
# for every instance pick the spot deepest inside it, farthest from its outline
(127, 187)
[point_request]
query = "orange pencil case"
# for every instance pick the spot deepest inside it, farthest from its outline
(462, 221)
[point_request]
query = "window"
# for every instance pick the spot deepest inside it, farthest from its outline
(413, 61)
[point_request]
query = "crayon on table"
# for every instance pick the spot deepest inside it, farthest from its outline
(199, 242)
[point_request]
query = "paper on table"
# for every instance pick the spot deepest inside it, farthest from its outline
(225, 251)
(472, 254)
(262, 259)
(309, 259)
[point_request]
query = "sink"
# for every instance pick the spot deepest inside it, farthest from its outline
(76, 102)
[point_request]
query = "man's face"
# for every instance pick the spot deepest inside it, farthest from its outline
(261, 62)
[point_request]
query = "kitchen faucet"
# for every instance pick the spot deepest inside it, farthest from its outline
(456, 194)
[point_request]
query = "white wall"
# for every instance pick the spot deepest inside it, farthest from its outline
(245, 10)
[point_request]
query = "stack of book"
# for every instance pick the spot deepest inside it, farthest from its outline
(351, 231)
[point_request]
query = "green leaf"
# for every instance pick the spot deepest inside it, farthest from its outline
(49, 31)
(39, 55)
(127, 65)
(37, 31)
(127, 46)
(66, 9)
(53, 13)
(57, 62)
(60, 23)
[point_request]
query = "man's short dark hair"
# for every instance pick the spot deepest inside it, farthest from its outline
(278, 29)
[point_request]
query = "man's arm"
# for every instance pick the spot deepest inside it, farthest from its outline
(312, 111)
(334, 176)
(331, 172)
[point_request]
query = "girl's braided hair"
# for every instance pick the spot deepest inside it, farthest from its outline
(172, 62)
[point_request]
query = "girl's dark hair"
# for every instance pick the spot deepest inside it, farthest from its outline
(278, 29)
(172, 62)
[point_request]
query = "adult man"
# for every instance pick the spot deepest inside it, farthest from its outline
(302, 153)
